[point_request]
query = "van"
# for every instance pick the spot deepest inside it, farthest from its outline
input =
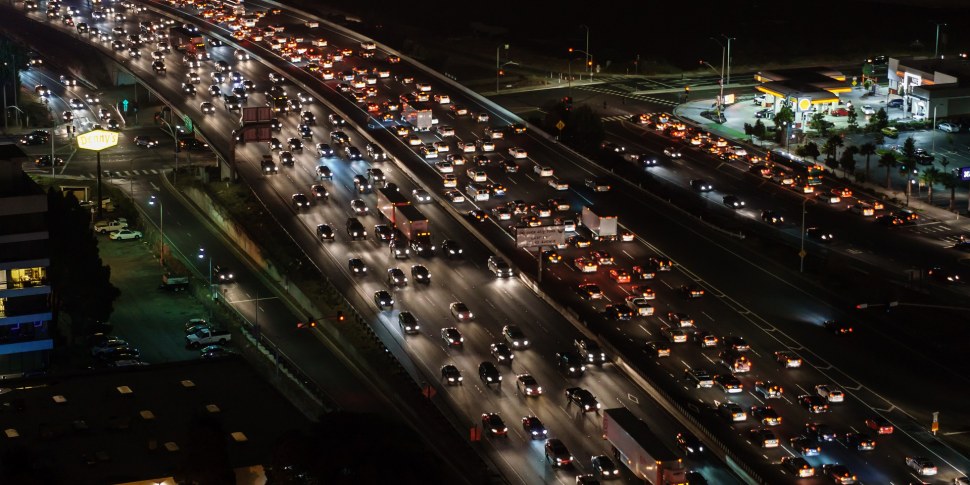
(760, 99)
(477, 192)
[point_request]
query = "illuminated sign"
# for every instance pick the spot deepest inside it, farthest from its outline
(965, 174)
(97, 140)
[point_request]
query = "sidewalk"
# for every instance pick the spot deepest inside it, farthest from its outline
(737, 115)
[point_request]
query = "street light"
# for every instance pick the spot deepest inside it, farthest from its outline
(174, 133)
(801, 251)
(589, 61)
(203, 255)
(152, 201)
(498, 67)
(720, 97)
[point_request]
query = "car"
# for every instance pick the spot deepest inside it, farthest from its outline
(108, 344)
(619, 275)
(527, 385)
(383, 300)
(728, 383)
(657, 349)
(814, 404)
(700, 377)
(214, 351)
(300, 201)
(819, 431)
(451, 375)
(396, 277)
(452, 336)
(590, 351)
(838, 473)
(571, 363)
(45, 161)
(797, 466)
(589, 291)
(358, 207)
(890, 131)
(420, 274)
(515, 337)
(701, 185)
(733, 202)
(421, 196)
(858, 441)
(705, 339)
(868, 110)
(557, 454)
(948, 127)
(768, 390)
(766, 415)
(117, 354)
(689, 443)
(451, 249)
(534, 428)
(819, 235)
(502, 353)
(679, 319)
(223, 274)
(145, 141)
(830, 393)
(923, 466)
(735, 361)
(125, 235)
(672, 152)
(772, 217)
(838, 327)
(604, 467)
(736, 343)
(787, 359)
(460, 311)
(692, 291)
(493, 424)
(598, 184)
(489, 374)
(113, 125)
(357, 266)
(944, 276)
(319, 192)
(582, 398)
(732, 412)
(325, 232)
(207, 107)
(764, 438)
(879, 424)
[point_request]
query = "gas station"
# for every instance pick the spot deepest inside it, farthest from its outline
(805, 90)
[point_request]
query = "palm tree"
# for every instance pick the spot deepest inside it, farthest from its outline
(930, 177)
(868, 149)
(847, 160)
(888, 160)
(950, 181)
(831, 147)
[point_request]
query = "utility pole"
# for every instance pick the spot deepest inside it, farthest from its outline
(729, 39)
(936, 50)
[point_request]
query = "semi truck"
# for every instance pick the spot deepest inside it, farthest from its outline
(601, 227)
(641, 450)
(419, 115)
(407, 219)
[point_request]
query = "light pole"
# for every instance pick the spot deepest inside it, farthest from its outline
(589, 62)
(801, 251)
(720, 97)
(729, 39)
(936, 49)
(174, 133)
(152, 201)
(498, 66)
(203, 255)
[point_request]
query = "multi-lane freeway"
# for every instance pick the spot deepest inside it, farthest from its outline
(789, 320)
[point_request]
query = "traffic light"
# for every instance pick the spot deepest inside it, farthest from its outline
(340, 316)
(501, 72)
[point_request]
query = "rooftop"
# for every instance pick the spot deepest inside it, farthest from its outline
(954, 66)
(122, 425)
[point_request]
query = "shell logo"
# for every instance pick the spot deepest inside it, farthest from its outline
(804, 104)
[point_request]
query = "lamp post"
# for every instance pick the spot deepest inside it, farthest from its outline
(720, 97)
(801, 251)
(203, 255)
(175, 140)
(936, 49)
(589, 63)
(729, 39)
(588, 57)
(152, 201)
(498, 66)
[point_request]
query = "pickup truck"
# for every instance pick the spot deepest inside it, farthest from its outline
(105, 227)
(207, 336)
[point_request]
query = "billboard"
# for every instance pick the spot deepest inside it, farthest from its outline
(533, 237)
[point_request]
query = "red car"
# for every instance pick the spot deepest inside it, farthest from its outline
(879, 425)
(839, 112)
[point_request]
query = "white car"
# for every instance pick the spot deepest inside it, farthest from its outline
(868, 110)
(672, 152)
(450, 180)
(444, 166)
(454, 196)
(477, 175)
(830, 393)
(516, 152)
(543, 171)
(639, 306)
(445, 131)
(466, 147)
(948, 127)
(125, 234)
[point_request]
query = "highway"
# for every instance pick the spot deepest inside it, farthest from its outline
(734, 313)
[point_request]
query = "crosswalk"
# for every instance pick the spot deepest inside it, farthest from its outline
(940, 231)
(619, 92)
(106, 174)
(616, 118)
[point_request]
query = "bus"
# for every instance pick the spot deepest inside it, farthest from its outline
(811, 172)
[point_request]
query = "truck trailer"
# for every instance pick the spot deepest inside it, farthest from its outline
(641, 450)
(407, 219)
(601, 227)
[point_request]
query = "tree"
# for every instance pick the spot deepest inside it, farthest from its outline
(847, 160)
(888, 160)
(784, 117)
(80, 282)
(853, 119)
(830, 148)
(944, 162)
(868, 149)
(820, 124)
(931, 176)
(909, 152)
(757, 130)
(878, 138)
(811, 150)
(950, 181)
(881, 119)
